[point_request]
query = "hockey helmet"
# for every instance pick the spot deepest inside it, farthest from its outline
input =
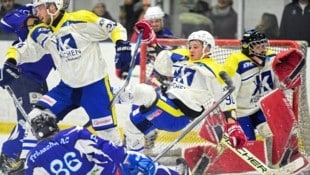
(205, 37)
(154, 13)
(60, 4)
(44, 125)
(250, 39)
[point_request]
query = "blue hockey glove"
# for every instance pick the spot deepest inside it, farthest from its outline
(9, 72)
(122, 57)
(136, 162)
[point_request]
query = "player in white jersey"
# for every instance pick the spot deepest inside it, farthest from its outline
(254, 78)
(77, 151)
(256, 70)
(73, 41)
(195, 81)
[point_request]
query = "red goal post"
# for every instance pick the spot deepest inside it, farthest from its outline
(298, 97)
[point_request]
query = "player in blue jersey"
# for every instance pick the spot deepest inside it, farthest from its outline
(77, 151)
(28, 88)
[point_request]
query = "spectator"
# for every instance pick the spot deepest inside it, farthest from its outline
(133, 10)
(269, 26)
(295, 21)
(101, 11)
(155, 16)
(7, 6)
(224, 18)
(196, 19)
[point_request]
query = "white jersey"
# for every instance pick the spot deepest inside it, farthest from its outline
(252, 82)
(74, 45)
(197, 83)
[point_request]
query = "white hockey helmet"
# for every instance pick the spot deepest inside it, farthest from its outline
(60, 4)
(205, 37)
(154, 12)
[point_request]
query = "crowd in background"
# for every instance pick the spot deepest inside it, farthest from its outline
(220, 19)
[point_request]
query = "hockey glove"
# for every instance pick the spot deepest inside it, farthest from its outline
(236, 135)
(122, 58)
(287, 66)
(9, 72)
(148, 34)
(136, 163)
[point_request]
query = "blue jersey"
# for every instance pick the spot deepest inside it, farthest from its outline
(74, 151)
(14, 22)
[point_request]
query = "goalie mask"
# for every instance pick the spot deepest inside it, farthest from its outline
(287, 65)
(44, 125)
(253, 45)
(205, 38)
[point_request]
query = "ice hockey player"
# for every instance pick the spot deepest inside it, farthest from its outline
(195, 81)
(155, 16)
(254, 78)
(77, 151)
(28, 88)
(83, 82)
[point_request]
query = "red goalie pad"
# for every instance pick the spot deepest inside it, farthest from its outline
(213, 127)
(287, 66)
(281, 119)
(148, 34)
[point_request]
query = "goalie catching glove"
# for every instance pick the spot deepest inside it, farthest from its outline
(236, 135)
(287, 66)
(9, 72)
(148, 34)
(122, 58)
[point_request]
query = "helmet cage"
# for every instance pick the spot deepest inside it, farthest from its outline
(44, 125)
(251, 42)
(259, 43)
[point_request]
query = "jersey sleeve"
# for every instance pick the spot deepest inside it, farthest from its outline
(98, 28)
(100, 147)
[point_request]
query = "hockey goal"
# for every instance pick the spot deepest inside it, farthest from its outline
(298, 97)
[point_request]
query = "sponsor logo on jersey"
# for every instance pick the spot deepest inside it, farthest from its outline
(67, 48)
(155, 114)
(104, 121)
(49, 100)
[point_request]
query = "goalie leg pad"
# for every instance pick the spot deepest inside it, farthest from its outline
(280, 118)
(213, 128)
(200, 158)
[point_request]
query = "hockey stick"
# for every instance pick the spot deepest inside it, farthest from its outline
(17, 104)
(258, 165)
(131, 67)
(202, 116)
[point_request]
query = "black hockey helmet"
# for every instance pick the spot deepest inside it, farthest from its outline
(44, 125)
(250, 39)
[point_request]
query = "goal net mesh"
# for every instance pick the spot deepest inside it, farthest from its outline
(297, 98)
